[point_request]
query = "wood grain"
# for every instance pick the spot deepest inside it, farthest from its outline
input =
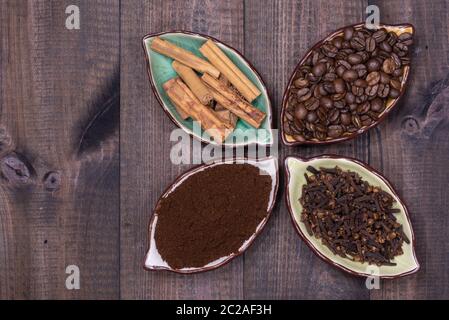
(413, 148)
(52, 81)
(146, 167)
(77, 189)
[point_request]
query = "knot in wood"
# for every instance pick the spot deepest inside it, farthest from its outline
(14, 169)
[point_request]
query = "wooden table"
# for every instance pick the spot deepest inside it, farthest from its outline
(88, 148)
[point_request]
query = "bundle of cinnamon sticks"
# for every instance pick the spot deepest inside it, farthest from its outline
(218, 97)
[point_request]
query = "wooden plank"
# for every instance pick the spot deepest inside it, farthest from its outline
(54, 82)
(277, 35)
(413, 148)
(145, 146)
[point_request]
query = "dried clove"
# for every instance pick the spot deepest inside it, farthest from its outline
(352, 218)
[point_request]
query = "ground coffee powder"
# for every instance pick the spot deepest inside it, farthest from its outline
(211, 214)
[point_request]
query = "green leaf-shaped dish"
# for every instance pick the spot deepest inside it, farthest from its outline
(295, 168)
(160, 71)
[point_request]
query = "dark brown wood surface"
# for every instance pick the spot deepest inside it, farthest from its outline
(53, 82)
(60, 91)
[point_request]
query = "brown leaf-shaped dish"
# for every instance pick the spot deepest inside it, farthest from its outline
(155, 261)
(288, 138)
(295, 168)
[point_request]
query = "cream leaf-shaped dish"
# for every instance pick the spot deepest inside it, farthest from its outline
(160, 70)
(390, 103)
(153, 258)
(295, 168)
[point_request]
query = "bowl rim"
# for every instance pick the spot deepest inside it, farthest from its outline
(321, 255)
(361, 130)
(192, 171)
(172, 118)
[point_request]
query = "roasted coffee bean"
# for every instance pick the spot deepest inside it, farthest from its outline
(405, 61)
(337, 42)
(301, 83)
(373, 64)
(329, 87)
(334, 116)
(366, 122)
(360, 69)
(392, 38)
(357, 43)
(385, 46)
(357, 91)
(377, 105)
(396, 84)
(380, 35)
(354, 58)
(347, 33)
(349, 97)
(373, 78)
(289, 116)
(383, 91)
(287, 128)
(329, 50)
(345, 118)
(361, 83)
(371, 91)
(361, 99)
(356, 121)
(365, 55)
(340, 70)
(344, 84)
(311, 117)
(388, 66)
(326, 102)
(350, 75)
(335, 131)
(330, 76)
(363, 108)
(312, 104)
(338, 96)
(300, 112)
(303, 94)
(319, 69)
(370, 44)
(384, 78)
(339, 85)
(394, 93)
(339, 104)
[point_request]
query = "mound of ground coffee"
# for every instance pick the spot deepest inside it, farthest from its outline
(211, 214)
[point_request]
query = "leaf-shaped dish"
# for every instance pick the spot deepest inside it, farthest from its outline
(154, 261)
(160, 70)
(290, 141)
(295, 168)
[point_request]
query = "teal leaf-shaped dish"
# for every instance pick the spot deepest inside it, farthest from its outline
(160, 70)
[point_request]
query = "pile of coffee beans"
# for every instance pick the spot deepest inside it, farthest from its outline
(345, 83)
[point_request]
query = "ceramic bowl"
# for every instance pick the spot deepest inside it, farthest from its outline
(295, 168)
(289, 141)
(160, 71)
(154, 261)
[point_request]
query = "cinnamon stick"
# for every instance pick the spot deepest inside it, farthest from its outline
(184, 56)
(238, 79)
(233, 102)
(183, 97)
(193, 82)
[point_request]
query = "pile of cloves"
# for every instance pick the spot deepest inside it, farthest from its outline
(352, 218)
